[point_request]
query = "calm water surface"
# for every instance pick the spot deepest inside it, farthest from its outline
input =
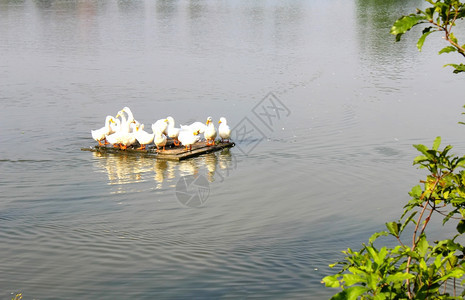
(332, 169)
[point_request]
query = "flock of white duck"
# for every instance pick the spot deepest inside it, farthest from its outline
(123, 131)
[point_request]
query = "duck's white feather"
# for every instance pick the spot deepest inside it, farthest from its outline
(101, 134)
(142, 136)
(210, 133)
(223, 129)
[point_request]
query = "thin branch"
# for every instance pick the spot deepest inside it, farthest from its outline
(409, 259)
(414, 237)
(447, 32)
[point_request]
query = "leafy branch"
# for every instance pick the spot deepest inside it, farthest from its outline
(442, 16)
(418, 271)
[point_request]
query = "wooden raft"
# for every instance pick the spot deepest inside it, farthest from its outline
(171, 153)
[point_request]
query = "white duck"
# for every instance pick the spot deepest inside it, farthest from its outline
(101, 134)
(143, 137)
(210, 132)
(188, 137)
(127, 139)
(171, 131)
(160, 140)
(130, 117)
(223, 129)
(160, 125)
(196, 126)
(124, 136)
(114, 125)
(114, 138)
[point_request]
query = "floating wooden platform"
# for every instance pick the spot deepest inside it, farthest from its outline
(171, 153)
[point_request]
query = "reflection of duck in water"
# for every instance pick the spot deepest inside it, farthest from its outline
(226, 162)
(211, 162)
(188, 167)
(122, 169)
(160, 170)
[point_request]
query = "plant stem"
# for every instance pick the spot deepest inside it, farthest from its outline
(414, 237)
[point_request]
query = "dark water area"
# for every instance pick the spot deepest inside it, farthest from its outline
(318, 172)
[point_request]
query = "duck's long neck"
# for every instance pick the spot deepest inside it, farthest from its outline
(125, 124)
(107, 122)
(130, 115)
(117, 124)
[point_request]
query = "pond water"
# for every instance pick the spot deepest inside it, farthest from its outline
(325, 108)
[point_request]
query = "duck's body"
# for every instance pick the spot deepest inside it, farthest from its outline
(210, 133)
(143, 137)
(124, 137)
(114, 138)
(160, 125)
(171, 131)
(196, 126)
(101, 134)
(188, 137)
(160, 140)
(223, 130)
(127, 139)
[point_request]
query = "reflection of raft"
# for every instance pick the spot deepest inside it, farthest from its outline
(171, 152)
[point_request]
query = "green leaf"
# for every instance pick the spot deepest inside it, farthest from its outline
(457, 201)
(399, 277)
(405, 23)
(452, 37)
(331, 281)
(422, 246)
(377, 235)
(421, 40)
(456, 273)
(436, 143)
(461, 226)
(422, 264)
(374, 255)
(448, 49)
(351, 279)
(420, 159)
(429, 13)
(461, 161)
(458, 68)
(416, 192)
(393, 228)
(408, 220)
(449, 215)
(422, 148)
(351, 293)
